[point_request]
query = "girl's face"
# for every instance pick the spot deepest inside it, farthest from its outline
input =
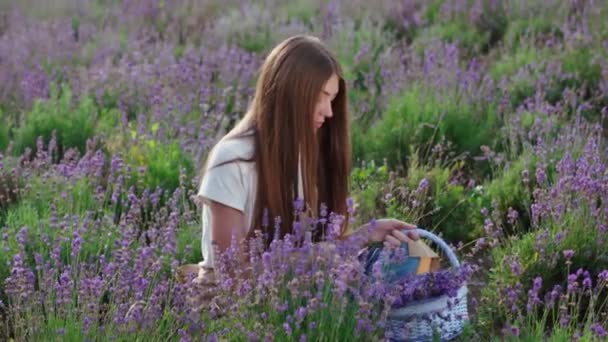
(323, 109)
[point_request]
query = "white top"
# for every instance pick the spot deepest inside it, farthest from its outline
(233, 184)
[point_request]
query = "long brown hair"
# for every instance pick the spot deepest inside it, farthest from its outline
(281, 119)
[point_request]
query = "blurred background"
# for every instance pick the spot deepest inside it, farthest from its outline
(482, 120)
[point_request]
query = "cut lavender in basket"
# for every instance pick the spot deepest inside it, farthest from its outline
(433, 284)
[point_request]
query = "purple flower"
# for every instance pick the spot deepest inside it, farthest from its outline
(183, 336)
(541, 176)
(533, 298)
(587, 283)
(564, 320)
(525, 176)
(568, 254)
(551, 297)
(76, 243)
(300, 314)
(350, 203)
(22, 236)
(515, 268)
(423, 185)
(598, 330)
(512, 215)
(572, 283)
(287, 328)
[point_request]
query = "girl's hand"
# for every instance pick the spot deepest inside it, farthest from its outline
(391, 232)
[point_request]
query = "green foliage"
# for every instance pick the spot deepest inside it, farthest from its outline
(4, 137)
(302, 11)
(530, 28)
(432, 13)
(369, 186)
(70, 327)
(257, 41)
(188, 244)
(35, 211)
(581, 69)
(445, 207)
(163, 164)
(74, 125)
(453, 219)
(520, 88)
(335, 321)
(50, 211)
(109, 120)
(492, 23)
(509, 64)
(74, 197)
(10, 185)
(507, 190)
(348, 43)
(451, 208)
(419, 119)
(539, 253)
(251, 32)
(465, 35)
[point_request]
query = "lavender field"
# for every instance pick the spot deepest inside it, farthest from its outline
(483, 121)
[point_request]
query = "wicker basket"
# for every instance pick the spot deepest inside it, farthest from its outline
(439, 317)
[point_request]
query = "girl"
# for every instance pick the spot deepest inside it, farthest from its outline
(293, 143)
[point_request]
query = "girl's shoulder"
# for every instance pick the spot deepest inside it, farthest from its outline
(237, 149)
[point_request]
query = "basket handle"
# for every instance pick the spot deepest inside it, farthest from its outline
(444, 246)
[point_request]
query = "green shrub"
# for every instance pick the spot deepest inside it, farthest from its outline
(492, 22)
(369, 186)
(4, 137)
(508, 190)
(349, 41)
(252, 32)
(109, 120)
(509, 64)
(71, 197)
(45, 201)
(256, 41)
(460, 32)
(73, 329)
(302, 11)
(188, 244)
(121, 97)
(73, 125)
(432, 14)
(540, 253)
(530, 28)
(520, 88)
(162, 164)
(451, 208)
(444, 206)
(418, 120)
(10, 185)
(581, 69)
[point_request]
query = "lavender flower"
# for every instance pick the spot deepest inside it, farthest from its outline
(598, 330)
(533, 298)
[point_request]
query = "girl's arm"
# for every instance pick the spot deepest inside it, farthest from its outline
(384, 232)
(226, 221)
